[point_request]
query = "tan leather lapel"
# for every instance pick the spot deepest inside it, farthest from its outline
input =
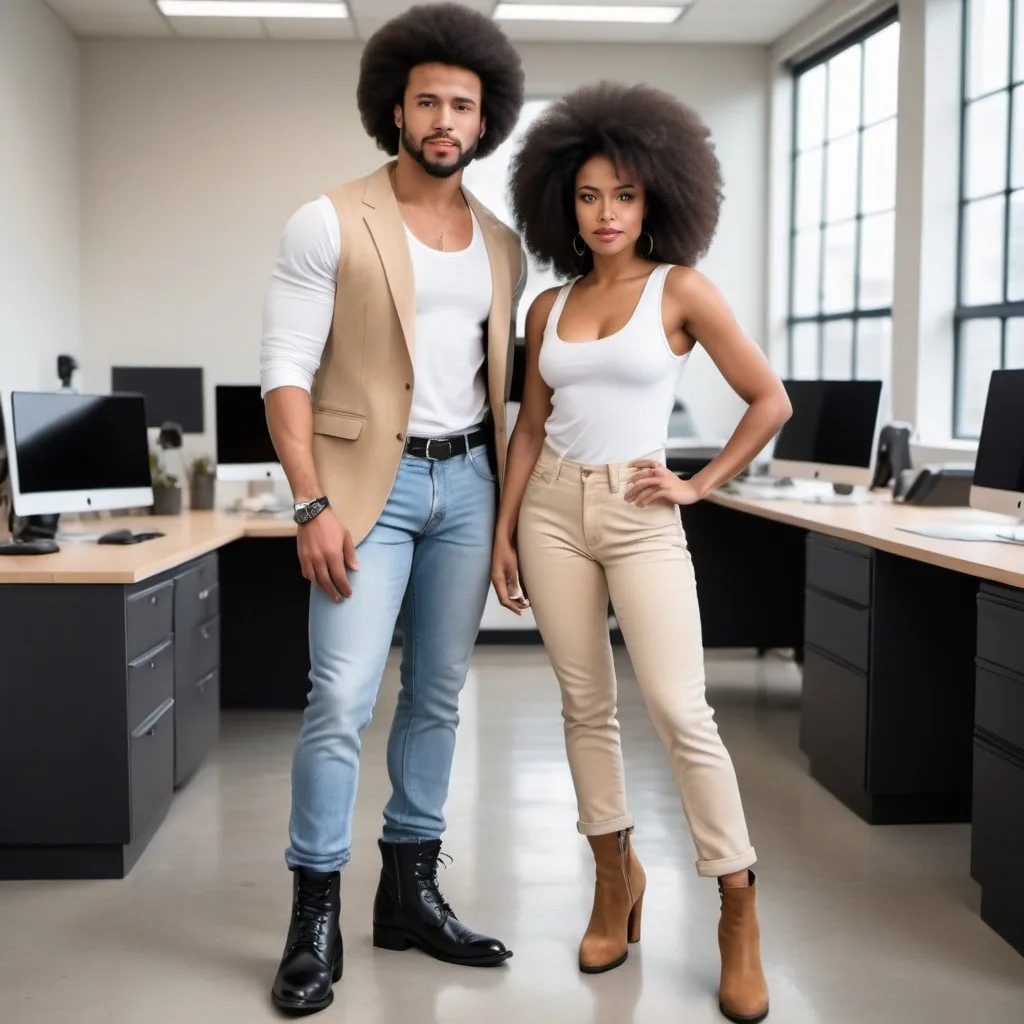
(384, 220)
(499, 323)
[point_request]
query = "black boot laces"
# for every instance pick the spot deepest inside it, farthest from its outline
(432, 888)
(312, 914)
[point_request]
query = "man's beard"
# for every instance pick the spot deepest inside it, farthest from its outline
(438, 170)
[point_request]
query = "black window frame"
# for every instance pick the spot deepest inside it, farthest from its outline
(1006, 310)
(856, 313)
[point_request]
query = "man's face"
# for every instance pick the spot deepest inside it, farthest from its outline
(440, 119)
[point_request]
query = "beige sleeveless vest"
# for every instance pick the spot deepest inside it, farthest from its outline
(362, 394)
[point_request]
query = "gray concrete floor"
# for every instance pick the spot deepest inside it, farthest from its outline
(859, 924)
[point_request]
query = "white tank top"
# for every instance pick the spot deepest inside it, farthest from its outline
(612, 398)
(453, 301)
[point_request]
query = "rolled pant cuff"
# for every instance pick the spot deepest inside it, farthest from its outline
(602, 828)
(727, 865)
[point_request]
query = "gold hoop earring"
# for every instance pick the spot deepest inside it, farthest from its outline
(582, 250)
(650, 247)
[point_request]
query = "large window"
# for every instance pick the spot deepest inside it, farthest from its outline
(990, 303)
(844, 199)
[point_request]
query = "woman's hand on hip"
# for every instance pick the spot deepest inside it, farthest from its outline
(652, 482)
(505, 577)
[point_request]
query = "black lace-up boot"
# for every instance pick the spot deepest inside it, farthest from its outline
(312, 953)
(410, 911)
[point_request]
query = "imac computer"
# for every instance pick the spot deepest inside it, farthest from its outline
(173, 394)
(73, 453)
(245, 451)
(998, 482)
(830, 438)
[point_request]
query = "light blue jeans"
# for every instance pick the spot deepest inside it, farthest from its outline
(428, 558)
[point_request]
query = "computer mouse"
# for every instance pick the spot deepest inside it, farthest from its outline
(118, 537)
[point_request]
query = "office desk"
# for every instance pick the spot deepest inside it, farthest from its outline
(116, 661)
(913, 685)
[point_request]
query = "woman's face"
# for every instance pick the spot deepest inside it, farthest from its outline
(610, 207)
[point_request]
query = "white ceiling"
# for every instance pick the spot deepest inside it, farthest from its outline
(734, 21)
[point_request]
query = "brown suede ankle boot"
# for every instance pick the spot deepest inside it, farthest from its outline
(743, 992)
(618, 903)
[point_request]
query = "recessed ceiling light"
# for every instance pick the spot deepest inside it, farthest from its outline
(645, 15)
(251, 9)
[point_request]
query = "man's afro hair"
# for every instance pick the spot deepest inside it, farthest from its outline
(644, 132)
(444, 33)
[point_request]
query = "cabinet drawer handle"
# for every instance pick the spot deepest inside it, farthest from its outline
(152, 600)
(152, 664)
(206, 633)
(204, 595)
(149, 727)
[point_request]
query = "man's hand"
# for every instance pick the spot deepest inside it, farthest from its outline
(326, 552)
(505, 577)
(654, 482)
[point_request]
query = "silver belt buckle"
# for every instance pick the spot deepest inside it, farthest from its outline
(442, 441)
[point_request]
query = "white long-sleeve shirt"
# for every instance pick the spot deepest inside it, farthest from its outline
(453, 300)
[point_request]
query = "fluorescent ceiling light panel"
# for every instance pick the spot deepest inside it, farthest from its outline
(642, 14)
(251, 9)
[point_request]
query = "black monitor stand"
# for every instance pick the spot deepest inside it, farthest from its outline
(35, 535)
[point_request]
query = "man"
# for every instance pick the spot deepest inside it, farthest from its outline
(385, 358)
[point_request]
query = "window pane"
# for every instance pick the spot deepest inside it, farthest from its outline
(840, 245)
(811, 108)
(877, 246)
(980, 346)
(1018, 57)
(878, 172)
(844, 92)
(1017, 175)
(985, 150)
(874, 348)
(805, 352)
(1015, 344)
(809, 184)
(881, 67)
(1019, 44)
(841, 180)
(1015, 287)
(837, 350)
(806, 273)
(983, 251)
(989, 45)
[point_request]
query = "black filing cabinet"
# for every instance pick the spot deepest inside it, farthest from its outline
(196, 666)
(110, 700)
(888, 683)
(997, 830)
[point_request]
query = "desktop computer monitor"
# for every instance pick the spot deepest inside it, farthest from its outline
(173, 394)
(998, 484)
(832, 433)
(244, 449)
(76, 453)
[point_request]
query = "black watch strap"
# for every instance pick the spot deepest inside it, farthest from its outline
(306, 511)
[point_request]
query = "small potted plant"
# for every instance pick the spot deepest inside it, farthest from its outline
(166, 492)
(202, 483)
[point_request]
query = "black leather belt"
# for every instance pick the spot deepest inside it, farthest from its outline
(437, 449)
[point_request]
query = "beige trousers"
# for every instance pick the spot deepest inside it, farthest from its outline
(580, 542)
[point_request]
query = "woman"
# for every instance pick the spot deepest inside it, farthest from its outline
(619, 189)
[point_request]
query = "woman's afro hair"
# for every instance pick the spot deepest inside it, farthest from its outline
(645, 133)
(444, 33)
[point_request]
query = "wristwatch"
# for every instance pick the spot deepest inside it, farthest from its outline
(305, 511)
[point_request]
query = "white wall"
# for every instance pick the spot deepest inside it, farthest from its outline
(39, 189)
(195, 154)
